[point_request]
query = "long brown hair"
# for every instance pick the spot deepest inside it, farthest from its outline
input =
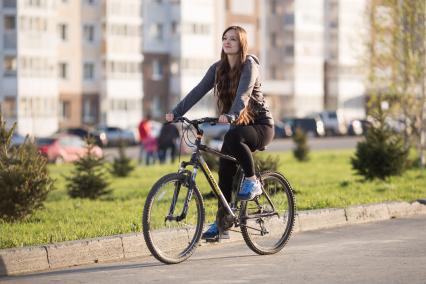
(227, 78)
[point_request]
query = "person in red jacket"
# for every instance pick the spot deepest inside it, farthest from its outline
(144, 134)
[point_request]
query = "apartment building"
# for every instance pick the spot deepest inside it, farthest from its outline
(245, 13)
(345, 33)
(28, 53)
(312, 55)
(181, 40)
(71, 63)
(292, 55)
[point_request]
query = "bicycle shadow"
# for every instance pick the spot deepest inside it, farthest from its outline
(119, 267)
(98, 268)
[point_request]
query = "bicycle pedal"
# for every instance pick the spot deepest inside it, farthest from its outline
(212, 240)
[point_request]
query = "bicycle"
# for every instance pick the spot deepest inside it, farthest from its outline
(173, 215)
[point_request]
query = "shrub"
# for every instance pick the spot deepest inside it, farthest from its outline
(122, 166)
(24, 178)
(382, 154)
(301, 152)
(266, 162)
(88, 179)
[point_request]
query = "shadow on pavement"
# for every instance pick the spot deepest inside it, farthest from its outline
(103, 268)
(71, 270)
(3, 270)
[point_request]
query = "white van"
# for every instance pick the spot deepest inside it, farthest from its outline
(334, 123)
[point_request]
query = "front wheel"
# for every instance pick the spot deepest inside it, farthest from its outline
(170, 235)
(267, 222)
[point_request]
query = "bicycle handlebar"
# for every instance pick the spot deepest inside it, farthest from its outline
(196, 122)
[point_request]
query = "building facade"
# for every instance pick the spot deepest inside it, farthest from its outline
(28, 83)
(71, 63)
(344, 79)
(311, 55)
(182, 40)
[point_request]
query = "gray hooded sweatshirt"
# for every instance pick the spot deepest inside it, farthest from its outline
(248, 89)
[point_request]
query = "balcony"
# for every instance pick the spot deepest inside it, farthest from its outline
(9, 4)
(9, 40)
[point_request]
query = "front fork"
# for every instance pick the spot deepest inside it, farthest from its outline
(190, 182)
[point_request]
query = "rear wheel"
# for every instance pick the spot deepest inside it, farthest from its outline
(172, 238)
(267, 221)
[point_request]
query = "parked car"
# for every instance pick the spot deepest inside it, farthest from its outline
(83, 133)
(334, 122)
(17, 140)
(113, 136)
(311, 126)
(63, 147)
(282, 129)
(355, 128)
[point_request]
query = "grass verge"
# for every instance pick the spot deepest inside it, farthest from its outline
(325, 181)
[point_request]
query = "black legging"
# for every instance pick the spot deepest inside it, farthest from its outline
(240, 141)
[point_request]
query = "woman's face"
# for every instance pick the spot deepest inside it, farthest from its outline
(230, 42)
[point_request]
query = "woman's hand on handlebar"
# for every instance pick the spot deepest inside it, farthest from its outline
(169, 117)
(223, 119)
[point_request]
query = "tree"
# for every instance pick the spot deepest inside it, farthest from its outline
(397, 69)
(88, 179)
(24, 178)
(301, 151)
(382, 154)
(122, 166)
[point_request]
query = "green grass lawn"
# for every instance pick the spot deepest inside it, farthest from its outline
(327, 180)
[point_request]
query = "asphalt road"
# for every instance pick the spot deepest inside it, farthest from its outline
(392, 251)
(327, 143)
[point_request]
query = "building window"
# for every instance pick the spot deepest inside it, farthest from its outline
(9, 66)
(63, 70)
(157, 70)
(273, 39)
(289, 19)
(89, 109)
(9, 3)
(156, 31)
(273, 7)
(89, 33)
(289, 50)
(175, 27)
(174, 67)
(243, 7)
(273, 73)
(65, 110)
(8, 107)
(89, 71)
(63, 31)
(9, 23)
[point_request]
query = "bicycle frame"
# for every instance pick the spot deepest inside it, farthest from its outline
(197, 161)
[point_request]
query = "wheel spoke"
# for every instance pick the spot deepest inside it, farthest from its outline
(269, 219)
(168, 239)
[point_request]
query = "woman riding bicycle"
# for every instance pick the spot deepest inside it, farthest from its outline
(236, 82)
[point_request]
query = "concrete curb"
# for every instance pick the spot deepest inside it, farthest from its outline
(119, 247)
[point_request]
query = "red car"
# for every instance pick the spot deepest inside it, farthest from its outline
(64, 148)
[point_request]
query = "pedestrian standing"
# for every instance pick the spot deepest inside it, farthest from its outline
(144, 134)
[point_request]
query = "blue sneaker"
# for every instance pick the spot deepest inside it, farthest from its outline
(249, 190)
(212, 233)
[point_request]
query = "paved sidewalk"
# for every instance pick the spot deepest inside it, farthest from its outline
(121, 247)
(388, 251)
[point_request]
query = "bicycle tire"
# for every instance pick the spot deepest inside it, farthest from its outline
(277, 229)
(177, 240)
